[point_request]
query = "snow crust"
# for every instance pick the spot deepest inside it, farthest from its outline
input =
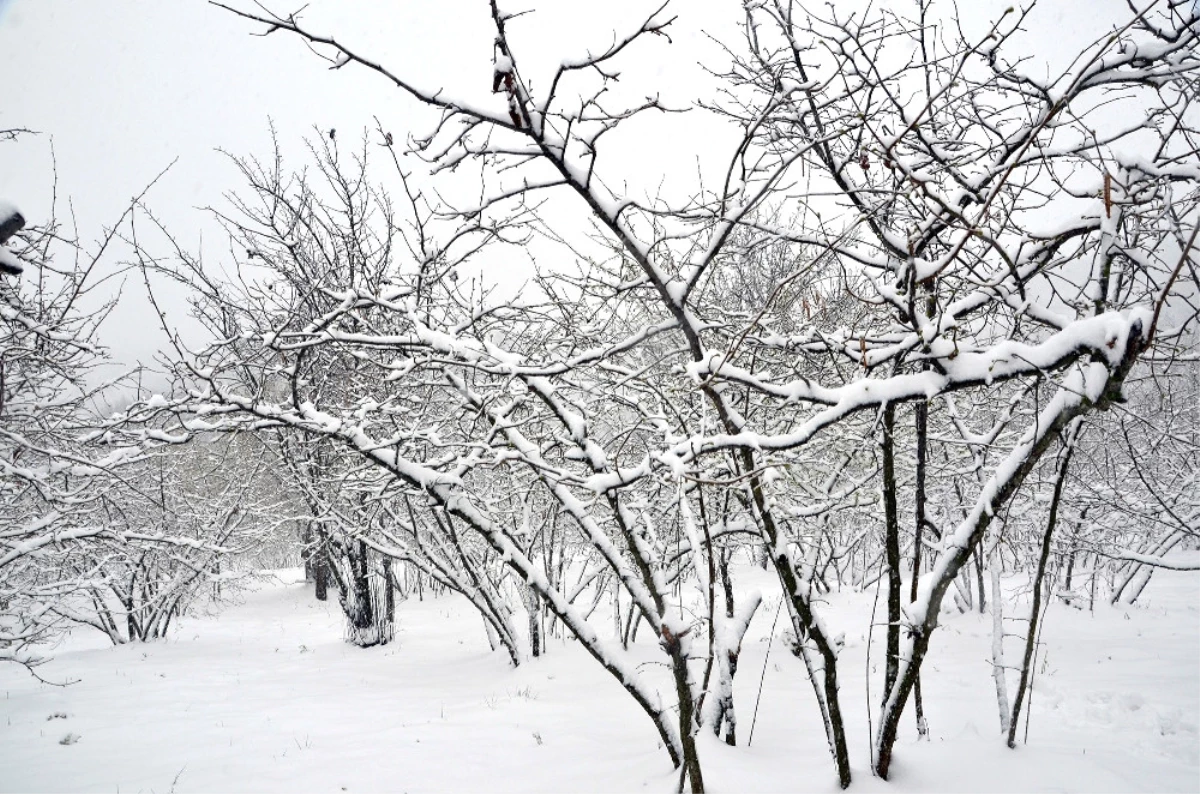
(8, 209)
(9, 261)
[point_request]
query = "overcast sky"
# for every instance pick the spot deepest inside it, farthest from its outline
(125, 87)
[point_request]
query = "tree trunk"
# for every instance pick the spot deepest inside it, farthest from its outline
(1035, 608)
(690, 768)
(999, 668)
(1139, 575)
(306, 555)
(533, 606)
(922, 428)
(979, 582)
(891, 526)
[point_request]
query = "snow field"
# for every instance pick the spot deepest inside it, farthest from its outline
(267, 697)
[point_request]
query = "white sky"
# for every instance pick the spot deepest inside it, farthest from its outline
(123, 87)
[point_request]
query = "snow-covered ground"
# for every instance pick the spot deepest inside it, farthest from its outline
(267, 697)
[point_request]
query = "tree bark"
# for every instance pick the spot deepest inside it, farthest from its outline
(321, 574)
(921, 421)
(1035, 608)
(891, 526)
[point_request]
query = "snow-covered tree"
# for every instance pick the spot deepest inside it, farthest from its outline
(922, 222)
(95, 528)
